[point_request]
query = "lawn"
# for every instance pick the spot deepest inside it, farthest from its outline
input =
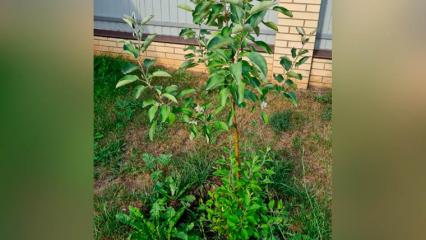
(299, 138)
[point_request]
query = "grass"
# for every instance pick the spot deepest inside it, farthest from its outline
(302, 154)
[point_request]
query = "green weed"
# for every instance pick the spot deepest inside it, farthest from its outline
(286, 120)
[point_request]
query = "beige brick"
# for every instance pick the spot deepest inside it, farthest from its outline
(283, 29)
(281, 51)
(101, 48)
(290, 22)
(310, 23)
(328, 66)
(155, 54)
(158, 44)
(302, 85)
(181, 51)
(108, 43)
(313, 8)
(316, 85)
(305, 15)
(295, 7)
(175, 45)
(318, 72)
(175, 56)
(308, 1)
(317, 65)
(165, 49)
(317, 79)
(280, 43)
(326, 80)
(289, 37)
(322, 60)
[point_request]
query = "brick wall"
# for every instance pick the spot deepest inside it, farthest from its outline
(316, 72)
(321, 73)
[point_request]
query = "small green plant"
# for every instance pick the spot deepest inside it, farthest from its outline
(168, 203)
(286, 120)
(281, 121)
(109, 153)
(325, 98)
(163, 100)
(241, 208)
(327, 113)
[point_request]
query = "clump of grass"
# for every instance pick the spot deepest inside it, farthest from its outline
(286, 120)
(327, 113)
(325, 98)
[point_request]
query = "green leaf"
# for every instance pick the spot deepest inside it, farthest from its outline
(187, 64)
(294, 75)
(164, 112)
(126, 80)
(160, 73)
(301, 31)
(250, 95)
(230, 117)
(185, 92)
(139, 90)
(148, 102)
(301, 61)
(148, 40)
(302, 51)
(255, 20)
(189, 55)
(280, 204)
(292, 97)
(152, 130)
(236, 69)
(271, 25)
(279, 77)
(170, 97)
(187, 33)
(286, 63)
(264, 46)
(146, 19)
(237, 13)
(129, 20)
(241, 87)
(218, 42)
(260, 62)
(221, 126)
(172, 118)
(305, 40)
(214, 81)
(237, 28)
(129, 68)
(130, 48)
(283, 10)
(152, 111)
(185, 7)
(293, 52)
(224, 94)
(148, 63)
(271, 204)
(261, 6)
(265, 117)
(171, 89)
